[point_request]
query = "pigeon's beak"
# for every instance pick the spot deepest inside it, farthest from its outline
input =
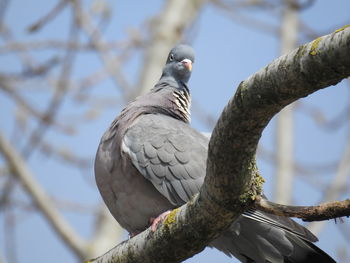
(187, 63)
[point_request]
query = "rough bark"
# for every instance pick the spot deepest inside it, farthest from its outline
(232, 180)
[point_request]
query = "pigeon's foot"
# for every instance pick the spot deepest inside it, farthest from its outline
(155, 221)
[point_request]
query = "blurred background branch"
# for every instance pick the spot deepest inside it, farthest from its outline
(41, 199)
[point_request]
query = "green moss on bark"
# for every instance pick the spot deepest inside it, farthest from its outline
(314, 46)
(170, 219)
(342, 28)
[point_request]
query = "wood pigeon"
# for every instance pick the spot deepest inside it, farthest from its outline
(150, 160)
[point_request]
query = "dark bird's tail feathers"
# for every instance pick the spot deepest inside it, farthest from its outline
(258, 237)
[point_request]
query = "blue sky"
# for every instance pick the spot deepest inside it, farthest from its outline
(226, 54)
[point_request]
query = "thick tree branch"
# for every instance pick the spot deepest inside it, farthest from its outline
(320, 212)
(232, 182)
(311, 67)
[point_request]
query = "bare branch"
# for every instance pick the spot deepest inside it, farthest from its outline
(65, 154)
(49, 16)
(15, 46)
(233, 12)
(320, 212)
(111, 64)
(41, 199)
(338, 185)
(57, 99)
(22, 103)
(320, 119)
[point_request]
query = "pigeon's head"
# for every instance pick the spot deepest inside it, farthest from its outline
(179, 63)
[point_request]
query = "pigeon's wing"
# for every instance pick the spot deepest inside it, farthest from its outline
(281, 222)
(169, 153)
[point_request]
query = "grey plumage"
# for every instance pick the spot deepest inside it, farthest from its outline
(150, 160)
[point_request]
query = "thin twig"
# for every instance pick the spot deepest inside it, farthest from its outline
(15, 46)
(66, 155)
(49, 16)
(111, 64)
(22, 103)
(320, 212)
(306, 171)
(57, 99)
(248, 21)
(337, 186)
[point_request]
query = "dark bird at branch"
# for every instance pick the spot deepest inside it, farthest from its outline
(151, 160)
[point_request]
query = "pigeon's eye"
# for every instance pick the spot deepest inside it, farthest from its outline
(171, 57)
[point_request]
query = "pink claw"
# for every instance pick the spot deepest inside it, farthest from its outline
(155, 221)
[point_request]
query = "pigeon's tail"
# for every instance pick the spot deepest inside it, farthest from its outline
(254, 241)
(305, 251)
